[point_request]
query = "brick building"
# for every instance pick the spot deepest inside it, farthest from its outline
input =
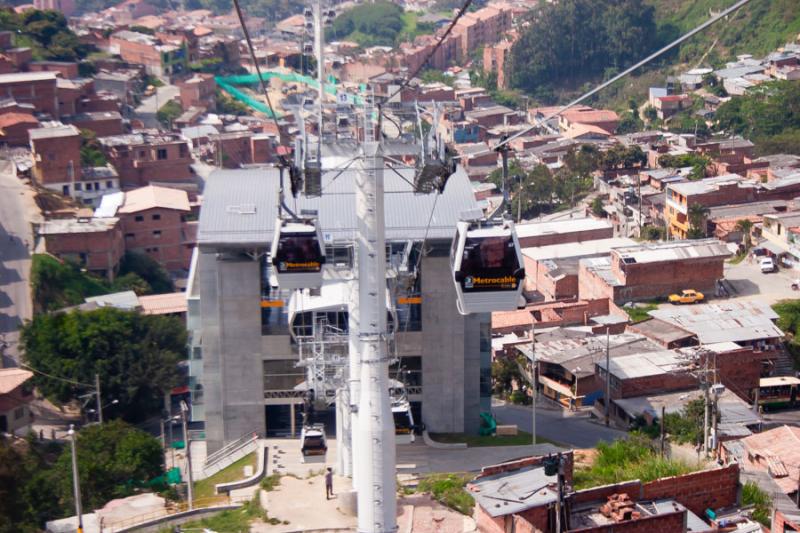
(142, 49)
(141, 158)
(739, 369)
(653, 270)
(522, 498)
(56, 155)
(102, 123)
(552, 270)
(602, 118)
(66, 7)
(494, 60)
(66, 69)
(14, 128)
(155, 221)
(709, 192)
(15, 398)
(548, 314)
(234, 149)
(198, 91)
(93, 243)
(36, 88)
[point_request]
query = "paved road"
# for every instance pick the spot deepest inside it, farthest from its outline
(146, 111)
(15, 232)
(557, 425)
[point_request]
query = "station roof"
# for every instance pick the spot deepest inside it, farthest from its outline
(240, 207)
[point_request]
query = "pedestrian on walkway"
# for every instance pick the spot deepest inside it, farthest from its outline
(329, 484)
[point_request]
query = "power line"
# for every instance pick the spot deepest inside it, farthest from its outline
(258, 68)
(621, 75)
(449, 29)
(65, 380)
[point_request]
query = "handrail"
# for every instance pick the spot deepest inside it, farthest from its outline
(229, 448)
(181, 507)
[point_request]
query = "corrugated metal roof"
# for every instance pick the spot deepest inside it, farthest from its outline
(240, 207)
(505, 494)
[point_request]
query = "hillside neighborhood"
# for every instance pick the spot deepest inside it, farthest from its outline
(161, 372)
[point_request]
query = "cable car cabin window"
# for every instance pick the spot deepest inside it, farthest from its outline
(298, 253)
(402, 422)
(489, 264)
(314, 445)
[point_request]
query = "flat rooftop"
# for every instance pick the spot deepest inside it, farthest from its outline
(53, 132)
(19, 77)
(508, 493)
(62, 226)
(573, 225)
(708, 185)
(575, 249)
(673, 250)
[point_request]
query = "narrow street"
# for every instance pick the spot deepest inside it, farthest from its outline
(17, 211)
(554, 424)
(146, 112)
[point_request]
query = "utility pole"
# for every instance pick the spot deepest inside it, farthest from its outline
(97, 394)
(705, 417)
(188, 448)
(319, 43)
(377, 482)
(534, 380)
(608, 377)
(663, 435)
(76, 484)
(639, 187)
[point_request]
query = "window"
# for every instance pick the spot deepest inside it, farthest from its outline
(65, 190)
(138, 218)
(161, 154)
(129, 236)
(282, 374)
(19, 413)
(109, 184)
(141, 153)
(78, 186)
(341, 257)
(156, 217)
(88, 186)
(157, 234)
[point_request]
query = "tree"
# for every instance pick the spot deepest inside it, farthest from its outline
(505, 371)
(374, 24)
(168, 113)
(56, 284)
(597, 207)
(572, 40)
(136, 356)
(745, 226)
(147, 269)
(114, 459)
(697, 221)
(699, 163)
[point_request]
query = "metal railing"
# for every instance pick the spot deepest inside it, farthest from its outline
(222, 502)
(229, 454)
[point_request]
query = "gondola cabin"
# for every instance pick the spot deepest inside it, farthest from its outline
(297, 254)
(487, 267)
(313, 445)
(403, 422)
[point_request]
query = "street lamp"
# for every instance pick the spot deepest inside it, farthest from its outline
(100, 412)
(187, 447)
(76, 486)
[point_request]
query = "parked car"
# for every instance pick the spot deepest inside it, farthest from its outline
(766, 264)
(688, 296)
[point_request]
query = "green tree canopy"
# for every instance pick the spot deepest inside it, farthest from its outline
(135, 355)
(114, 458)
(147, 269)
(379, 23)
(574, 40)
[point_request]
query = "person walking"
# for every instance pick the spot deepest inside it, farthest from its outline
(329, 483)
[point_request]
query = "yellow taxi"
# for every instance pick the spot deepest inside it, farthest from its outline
(688, 296)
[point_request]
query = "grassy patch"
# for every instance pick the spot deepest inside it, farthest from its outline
(204, 489)
(475, 441)
(753, 495)
(448, 489)
(231, 521)
(638, 312)
(736, 259)
(627, 459)
(271, 482)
